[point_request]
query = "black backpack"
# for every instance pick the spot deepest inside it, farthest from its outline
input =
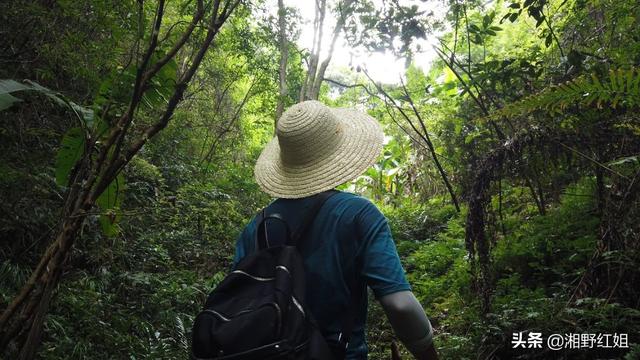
(258, 311)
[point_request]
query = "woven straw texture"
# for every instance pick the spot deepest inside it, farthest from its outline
(317, 148)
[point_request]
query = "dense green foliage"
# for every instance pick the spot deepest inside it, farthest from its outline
(531, 110)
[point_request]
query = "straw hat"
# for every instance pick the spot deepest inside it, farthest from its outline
(317, 148)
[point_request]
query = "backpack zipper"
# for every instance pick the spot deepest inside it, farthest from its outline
(227, 319)
(217, 314)
(297, 304)
(258, 278)
(281, 267)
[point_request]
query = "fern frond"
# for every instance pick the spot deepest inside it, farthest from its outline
(622, 88)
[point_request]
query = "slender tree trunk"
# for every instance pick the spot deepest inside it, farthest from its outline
(314, 58)
(343, 11)
(284, 54)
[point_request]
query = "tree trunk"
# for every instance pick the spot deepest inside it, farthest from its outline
(314, 90)
(284, 54)
(314, 58)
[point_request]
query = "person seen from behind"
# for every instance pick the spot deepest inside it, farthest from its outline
(317, 148)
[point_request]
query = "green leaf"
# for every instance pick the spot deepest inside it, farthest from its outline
(548, 40)
(71, 150)
(6, 101)
(162, 84)
(629, 78)
(108, 224)
(486, 20)
(635, 88)
(621, 84)
(109, 202)
(596, 82)
(8, 86)
(612, 77)
(514, 6)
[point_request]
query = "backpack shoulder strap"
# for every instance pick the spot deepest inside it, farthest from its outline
(261, 236)
(320, 199)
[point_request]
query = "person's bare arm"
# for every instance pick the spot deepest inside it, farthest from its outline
(410, 323)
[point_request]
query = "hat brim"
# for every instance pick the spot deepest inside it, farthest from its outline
(357, 150)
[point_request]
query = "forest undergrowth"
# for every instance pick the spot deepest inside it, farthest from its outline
(510, 174)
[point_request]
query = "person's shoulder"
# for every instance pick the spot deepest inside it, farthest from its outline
(363, 213)
(350, 197)
(355, 202)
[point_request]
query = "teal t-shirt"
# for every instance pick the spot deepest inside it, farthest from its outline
(345, 223)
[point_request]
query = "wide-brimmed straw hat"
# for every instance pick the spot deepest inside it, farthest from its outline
(317, 148)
